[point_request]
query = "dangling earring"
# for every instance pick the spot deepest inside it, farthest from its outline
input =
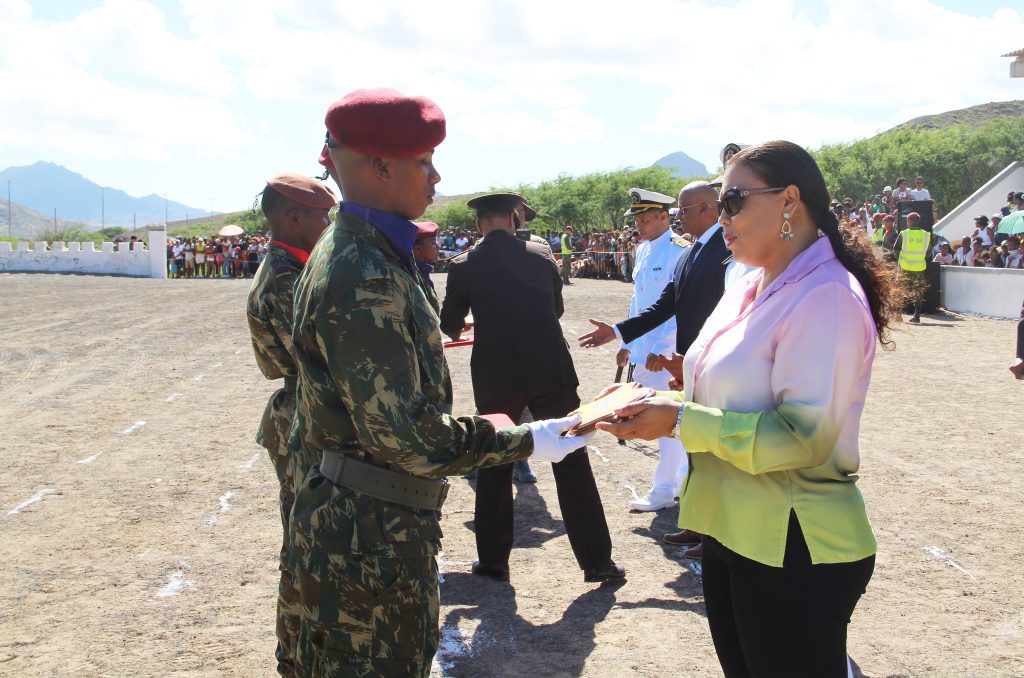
(786, 232)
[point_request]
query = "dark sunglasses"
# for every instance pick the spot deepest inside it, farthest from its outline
(731, 201)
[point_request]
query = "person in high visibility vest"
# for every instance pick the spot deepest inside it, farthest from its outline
(912, 251)
(876, 229)
(567, 255)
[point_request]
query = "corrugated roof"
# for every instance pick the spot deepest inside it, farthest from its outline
(1019, 52)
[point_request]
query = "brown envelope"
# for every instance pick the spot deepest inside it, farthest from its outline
(603, 409)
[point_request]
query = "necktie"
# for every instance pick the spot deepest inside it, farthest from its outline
(688, 266)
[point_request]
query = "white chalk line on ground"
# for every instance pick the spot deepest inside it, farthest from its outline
(38, 496)
(632, 491)
(238, 351)
(458, 641)
(943, 557)
(90, 459)
(171, 398)
(218, 365)
(176, 583)
(224, 505)
(597, 451)
(133, 428)
(252, 462)
(199, 378)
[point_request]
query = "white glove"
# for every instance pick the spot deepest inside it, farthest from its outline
(548, 445)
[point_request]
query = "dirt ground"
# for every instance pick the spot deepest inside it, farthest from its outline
(140, 530)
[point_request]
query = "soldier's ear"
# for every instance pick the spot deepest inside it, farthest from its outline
(380, 168)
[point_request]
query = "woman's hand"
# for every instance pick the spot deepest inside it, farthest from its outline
(648, 419)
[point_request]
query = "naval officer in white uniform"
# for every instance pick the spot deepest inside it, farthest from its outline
(655, 261)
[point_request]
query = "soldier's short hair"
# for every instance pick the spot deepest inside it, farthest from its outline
(273, 202)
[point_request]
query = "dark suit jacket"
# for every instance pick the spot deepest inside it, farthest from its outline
(514, 290)
(689, 298)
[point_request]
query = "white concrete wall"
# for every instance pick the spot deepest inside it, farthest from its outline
(77, 257)
(986, 200)
(995, 292)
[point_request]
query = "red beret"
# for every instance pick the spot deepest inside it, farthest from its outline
(428, 229)
(913, 214)
(384, 122)
(303, 190)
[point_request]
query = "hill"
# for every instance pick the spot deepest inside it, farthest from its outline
(973, 116)
(45, 186)
(682, 165)
(27, 223)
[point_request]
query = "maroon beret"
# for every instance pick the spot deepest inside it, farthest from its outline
(427, 229)
(384, 122)
(303, 190)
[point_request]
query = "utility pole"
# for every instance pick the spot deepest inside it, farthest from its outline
(10, 228)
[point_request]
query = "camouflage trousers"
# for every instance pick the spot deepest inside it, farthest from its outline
(273, 435)
(367, 576)
(916, 286)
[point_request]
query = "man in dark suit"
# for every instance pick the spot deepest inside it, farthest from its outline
(698, 282)
(520, 359)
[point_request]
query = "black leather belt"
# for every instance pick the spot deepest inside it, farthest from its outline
(382, 483)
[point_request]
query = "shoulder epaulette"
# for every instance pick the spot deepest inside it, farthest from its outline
(681, 241)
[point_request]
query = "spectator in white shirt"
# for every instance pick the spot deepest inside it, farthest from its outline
(901, 193)
(945, 255)
(984, 231)
(963, 252)
(919, 192)
(1014, 255)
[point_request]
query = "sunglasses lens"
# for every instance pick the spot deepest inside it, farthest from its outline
(731, 202)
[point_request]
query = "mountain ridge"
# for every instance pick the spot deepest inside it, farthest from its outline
(44, 186)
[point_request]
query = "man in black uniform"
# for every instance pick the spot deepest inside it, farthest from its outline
(520, 359)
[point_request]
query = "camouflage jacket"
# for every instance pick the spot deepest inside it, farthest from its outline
(269, 312)
(372, 373)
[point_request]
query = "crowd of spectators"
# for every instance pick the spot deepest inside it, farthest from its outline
(611, 253)
(985, 247)
(216, 256)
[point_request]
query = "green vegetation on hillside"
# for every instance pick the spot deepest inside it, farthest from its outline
(955, 160)
(589, 202)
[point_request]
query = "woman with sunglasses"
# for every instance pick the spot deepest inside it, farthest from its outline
(774, 390)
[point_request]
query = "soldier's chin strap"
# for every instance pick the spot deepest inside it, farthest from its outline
(324, 176)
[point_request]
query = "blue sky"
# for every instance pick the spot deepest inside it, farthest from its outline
(202, 101)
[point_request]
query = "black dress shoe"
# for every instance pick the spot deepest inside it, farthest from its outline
(609, 572)
(498, 572)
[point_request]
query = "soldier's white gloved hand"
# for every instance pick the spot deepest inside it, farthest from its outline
(548, 443)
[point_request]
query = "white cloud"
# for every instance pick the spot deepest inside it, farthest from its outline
(111, 82)
(613, 83)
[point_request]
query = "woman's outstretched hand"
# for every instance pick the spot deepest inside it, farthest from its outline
(648, 419)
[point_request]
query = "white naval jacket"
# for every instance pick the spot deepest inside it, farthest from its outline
(655, 261)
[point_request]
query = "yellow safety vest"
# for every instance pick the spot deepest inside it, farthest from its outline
(566, 244)
(878, 236)
(913, 255)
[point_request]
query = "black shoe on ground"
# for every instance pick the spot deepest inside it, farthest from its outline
(493, 571)
(610, 572)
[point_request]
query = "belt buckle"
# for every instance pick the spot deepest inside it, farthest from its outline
(445, 486)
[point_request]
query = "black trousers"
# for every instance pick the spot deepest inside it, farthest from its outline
(578, 498)
(781, 621)
(1020, 337)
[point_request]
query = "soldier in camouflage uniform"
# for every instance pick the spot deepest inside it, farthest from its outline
(371, 409)
(297, 209)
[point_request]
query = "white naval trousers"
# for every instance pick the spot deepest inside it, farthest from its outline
(673, 464)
